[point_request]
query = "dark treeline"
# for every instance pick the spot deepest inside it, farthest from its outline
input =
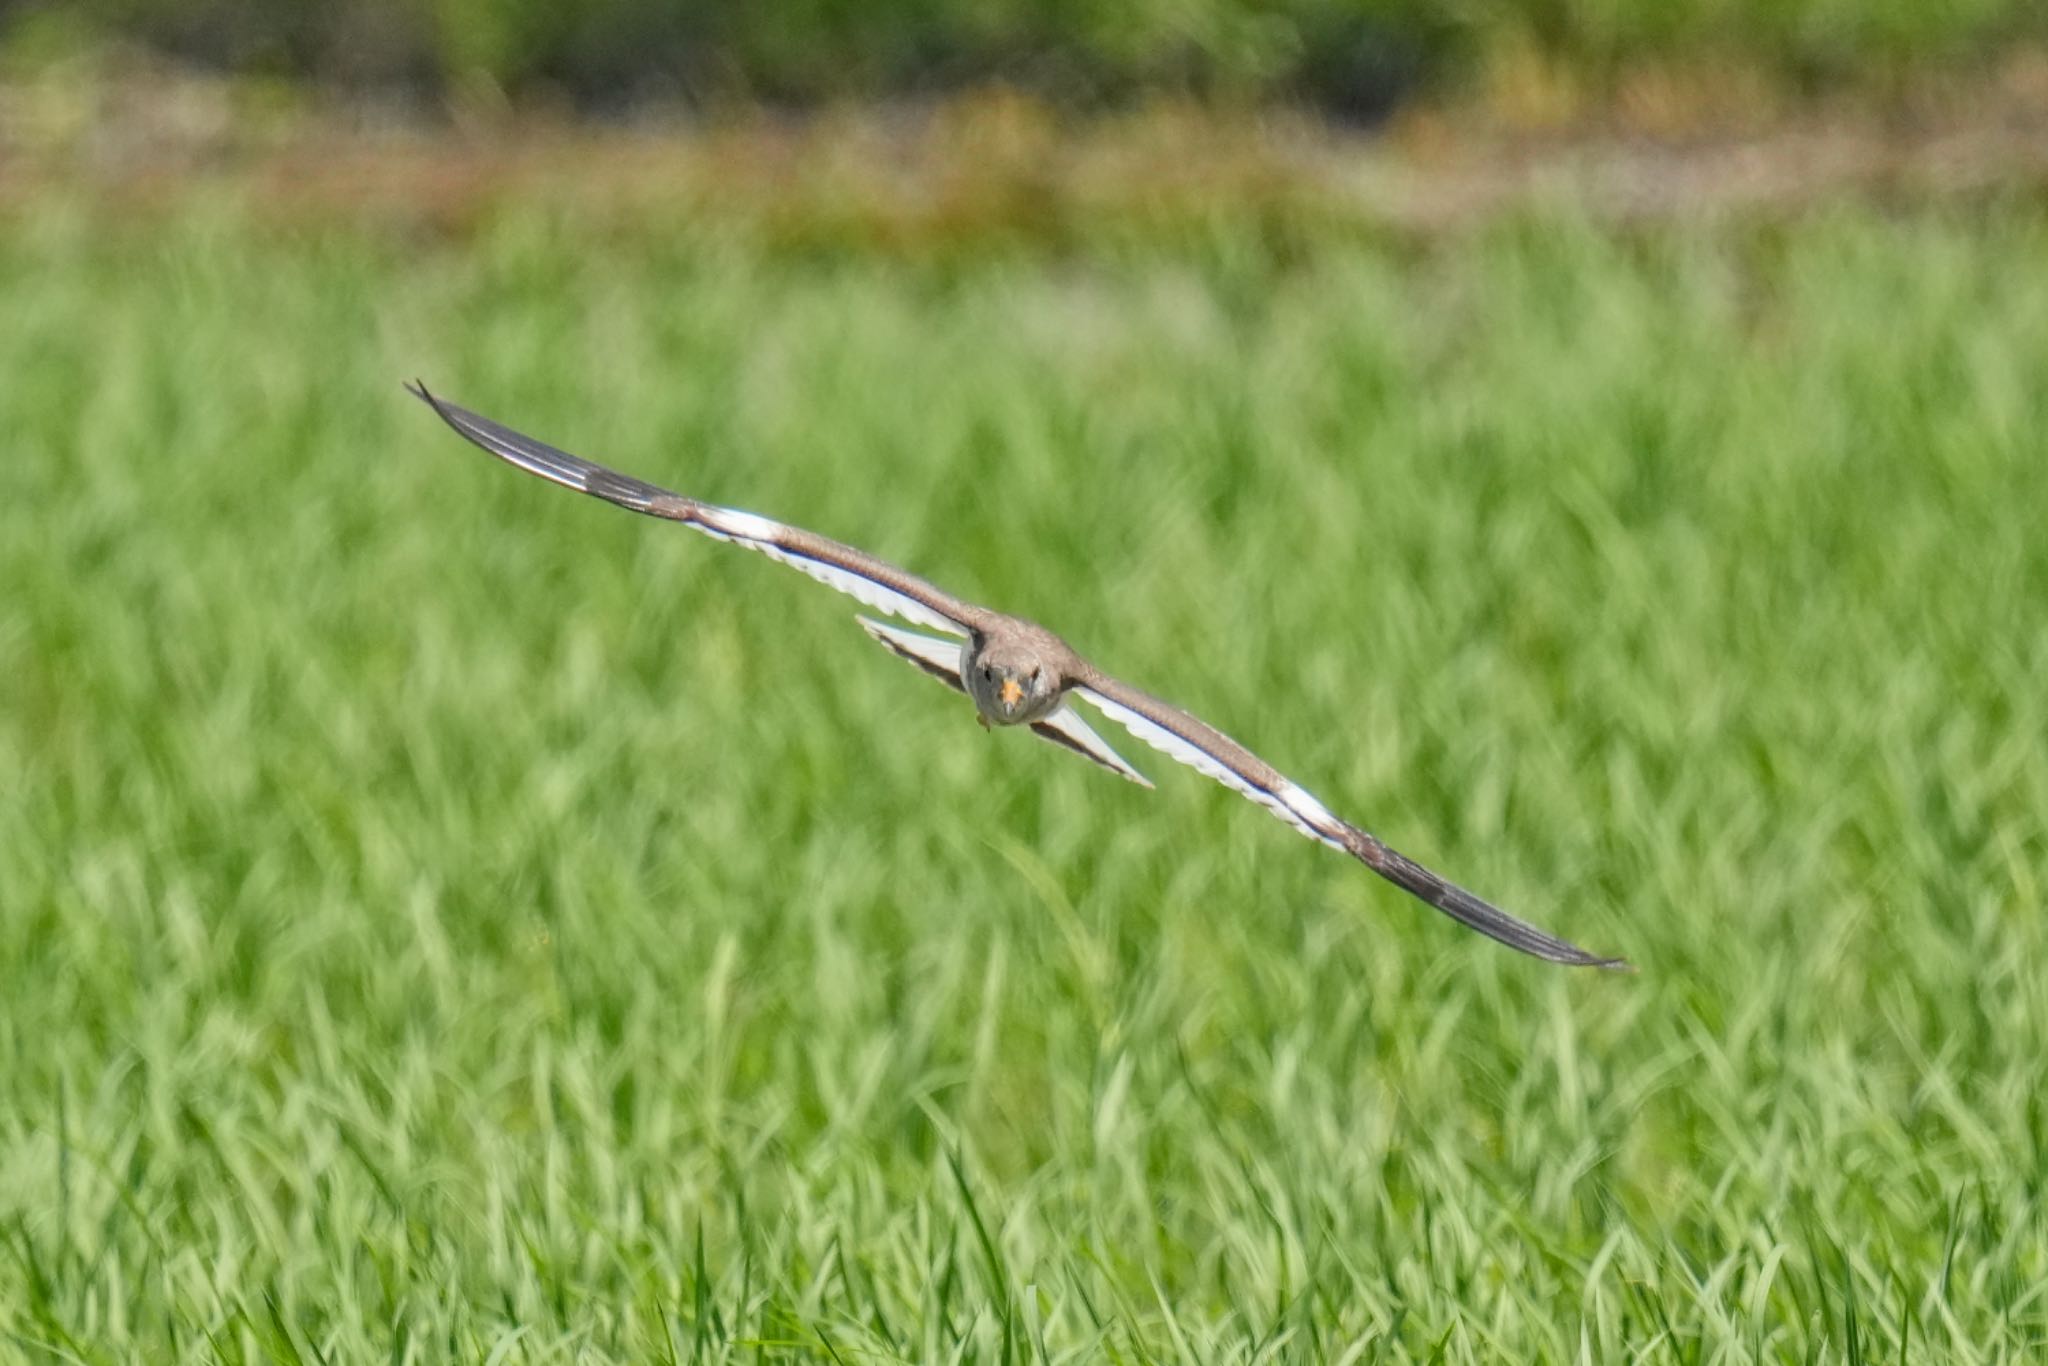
(1350, 58)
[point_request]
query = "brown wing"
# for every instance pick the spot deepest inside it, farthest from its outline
(876, 583)
(1202, 747)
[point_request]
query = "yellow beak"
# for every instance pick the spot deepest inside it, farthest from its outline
(1010, 692)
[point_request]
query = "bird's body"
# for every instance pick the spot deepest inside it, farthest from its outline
(1017, 672)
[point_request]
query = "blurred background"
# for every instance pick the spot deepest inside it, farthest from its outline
(1594, 445)
(1355, 61)
(135, 86)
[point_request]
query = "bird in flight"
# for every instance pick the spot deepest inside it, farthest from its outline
(1017, 672)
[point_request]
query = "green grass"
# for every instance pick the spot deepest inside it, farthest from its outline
(445, 918)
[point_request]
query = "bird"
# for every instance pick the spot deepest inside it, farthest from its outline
(1016, 672)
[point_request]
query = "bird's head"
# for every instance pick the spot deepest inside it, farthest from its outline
(1012, 685)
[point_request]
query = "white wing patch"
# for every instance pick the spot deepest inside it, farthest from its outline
(745, 526)
(941, 657)
(1067, 723)
(1290, 803)
(1314, 811)
(759, 533)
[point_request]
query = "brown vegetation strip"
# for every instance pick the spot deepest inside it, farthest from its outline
(1004, 167)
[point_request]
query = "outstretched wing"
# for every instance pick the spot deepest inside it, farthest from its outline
(941, 659)
(872, 582)
(1202, 747)
(1066, 729)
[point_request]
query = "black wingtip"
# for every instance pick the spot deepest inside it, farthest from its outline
(1562, 952)
(459, 419)
(470, 426)
(1572, 957)
(1474, 912)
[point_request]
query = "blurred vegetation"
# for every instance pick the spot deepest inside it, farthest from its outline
(1350, 58)
(449, 919)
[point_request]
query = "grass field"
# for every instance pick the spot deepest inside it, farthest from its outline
(445, 918)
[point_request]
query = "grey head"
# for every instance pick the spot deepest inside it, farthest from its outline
(1015, 672)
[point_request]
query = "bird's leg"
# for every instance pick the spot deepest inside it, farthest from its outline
(983, 720)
